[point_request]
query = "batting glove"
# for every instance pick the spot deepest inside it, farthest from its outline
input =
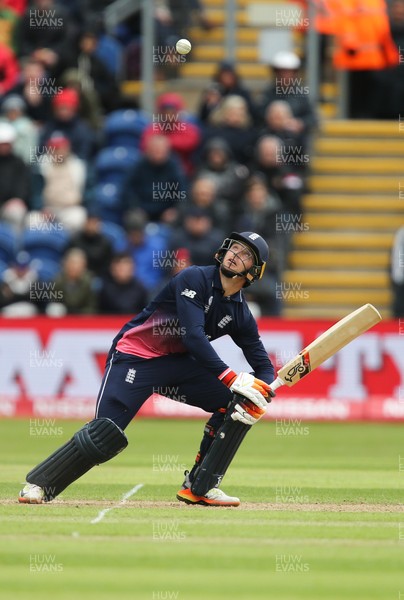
(247, 412)
(248, 386)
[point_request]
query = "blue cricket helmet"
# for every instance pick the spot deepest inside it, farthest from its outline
(258, 246)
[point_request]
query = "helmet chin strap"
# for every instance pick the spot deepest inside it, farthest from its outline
(231, 274)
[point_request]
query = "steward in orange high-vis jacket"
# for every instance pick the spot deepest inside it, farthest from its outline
(364, 39)
(362, 33)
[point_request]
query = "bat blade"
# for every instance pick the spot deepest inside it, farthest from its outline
(327, 344)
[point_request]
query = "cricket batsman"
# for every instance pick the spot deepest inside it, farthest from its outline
(167, 346)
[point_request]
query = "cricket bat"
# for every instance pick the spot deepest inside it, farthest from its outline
(327, 344)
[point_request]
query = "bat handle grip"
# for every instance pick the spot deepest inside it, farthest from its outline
(277, 383)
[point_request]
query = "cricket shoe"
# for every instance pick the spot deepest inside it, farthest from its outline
(31, 494)
(214, 497)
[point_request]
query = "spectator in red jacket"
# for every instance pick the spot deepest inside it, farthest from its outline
(170, 121)
(18, 5)
(8, 70)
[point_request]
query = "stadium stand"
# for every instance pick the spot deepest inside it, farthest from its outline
(349, 204)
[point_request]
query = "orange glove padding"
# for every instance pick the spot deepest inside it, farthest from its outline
(247, 385)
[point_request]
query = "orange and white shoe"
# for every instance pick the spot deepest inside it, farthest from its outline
(214, 497)
(31, 494)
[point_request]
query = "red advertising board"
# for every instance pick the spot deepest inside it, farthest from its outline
(52, 368)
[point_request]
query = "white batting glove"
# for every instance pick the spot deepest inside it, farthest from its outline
(247, 412)
(252, 404)
(252, 388)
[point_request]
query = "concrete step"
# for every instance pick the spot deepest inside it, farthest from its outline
(304, 259)
(206, 70)
(218, 16)
(217, 10)
(349, 297)
(350, 147)
(245, 35)
(372, 129)
(358, 222)
(325, 241)
(216, 53)
(223, 3)
(375, 166)
(327, 110)
(341, 279)
(350, 183)
(349, 203)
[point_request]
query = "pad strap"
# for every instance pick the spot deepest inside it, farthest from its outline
(210, 472)
(95, 443)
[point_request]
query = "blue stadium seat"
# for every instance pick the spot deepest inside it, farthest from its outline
(107, 202)
(110, 52)
(47, 269)
(124, 127)
(3, 267)
(8, 243)
(45, 244)
(107, 195)
(116, 234)
(112, 164)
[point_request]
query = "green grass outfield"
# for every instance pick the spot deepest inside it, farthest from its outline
(320, 519)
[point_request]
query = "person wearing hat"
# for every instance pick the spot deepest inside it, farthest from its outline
(170, 120)
(15, 178)
(167, 349)
(13, 112)
(16, 282)
(226, 82)
(288, 85)
(66, 119)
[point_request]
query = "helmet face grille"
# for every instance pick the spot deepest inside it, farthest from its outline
(256, 270)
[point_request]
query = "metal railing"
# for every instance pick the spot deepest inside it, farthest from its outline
(117, 12)
(121, 9)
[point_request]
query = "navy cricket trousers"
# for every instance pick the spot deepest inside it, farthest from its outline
(129, 380)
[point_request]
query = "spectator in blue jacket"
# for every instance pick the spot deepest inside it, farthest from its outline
(148, 248)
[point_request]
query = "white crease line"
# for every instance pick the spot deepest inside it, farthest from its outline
(102, 513)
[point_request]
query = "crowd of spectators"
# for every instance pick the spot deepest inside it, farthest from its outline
(101, 202)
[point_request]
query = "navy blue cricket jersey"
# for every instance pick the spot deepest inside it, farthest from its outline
(190, 311)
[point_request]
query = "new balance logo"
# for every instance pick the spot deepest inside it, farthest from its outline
(188, 293)
(253, 236)
(130, 376)
(207, 306)
(223, 322)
